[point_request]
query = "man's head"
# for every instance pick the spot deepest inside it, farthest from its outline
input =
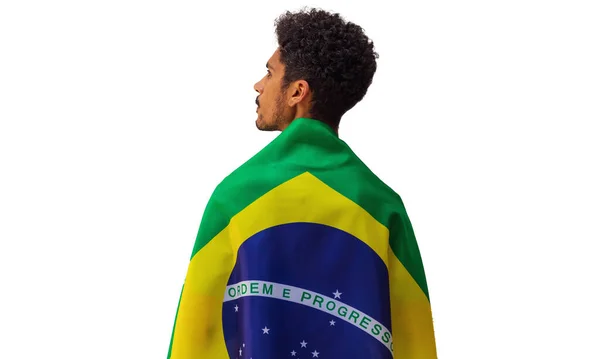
(322, 68)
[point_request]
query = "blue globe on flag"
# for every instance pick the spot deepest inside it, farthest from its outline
(306, 290)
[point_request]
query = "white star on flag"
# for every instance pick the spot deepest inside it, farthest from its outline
(303, 344)
(332, 322)
(265, 330)
(293, 353)
(236, 308)
(240, 351)
(315, 354)
(244, 345)
(337, 294)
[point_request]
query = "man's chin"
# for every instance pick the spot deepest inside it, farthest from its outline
(261, 126)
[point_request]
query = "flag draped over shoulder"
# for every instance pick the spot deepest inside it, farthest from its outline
(302, 252)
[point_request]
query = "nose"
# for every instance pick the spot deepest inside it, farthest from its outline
(258, 87)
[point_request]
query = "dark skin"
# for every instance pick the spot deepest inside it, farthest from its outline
(277, 108)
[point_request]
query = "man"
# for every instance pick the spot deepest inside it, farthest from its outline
(302, 251)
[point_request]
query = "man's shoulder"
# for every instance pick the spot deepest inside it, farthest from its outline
(376, 186)
(251, 171)
(251, 180)
(381, 192)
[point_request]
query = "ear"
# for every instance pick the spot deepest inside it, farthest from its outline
(300, 92)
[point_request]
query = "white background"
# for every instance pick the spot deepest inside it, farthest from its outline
(118, 118)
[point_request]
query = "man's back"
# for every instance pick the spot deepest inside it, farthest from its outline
(303, 250)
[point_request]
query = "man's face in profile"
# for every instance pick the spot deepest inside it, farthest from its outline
(270, 100)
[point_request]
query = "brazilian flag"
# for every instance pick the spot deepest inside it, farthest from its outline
(302, 252)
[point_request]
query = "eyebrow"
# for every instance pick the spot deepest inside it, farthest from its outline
(269, 66)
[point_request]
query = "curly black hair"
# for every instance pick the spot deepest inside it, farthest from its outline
(333, 56)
